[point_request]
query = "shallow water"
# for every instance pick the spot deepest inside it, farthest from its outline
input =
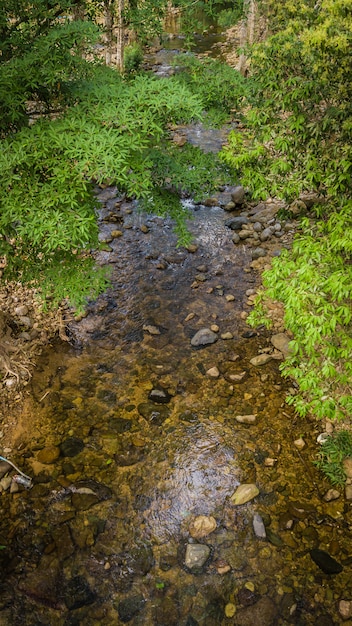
(101, 538)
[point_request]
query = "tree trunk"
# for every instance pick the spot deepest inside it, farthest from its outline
(108, 24)
(120, 43)
(247, 34)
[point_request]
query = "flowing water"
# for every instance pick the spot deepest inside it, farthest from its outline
(131, 436)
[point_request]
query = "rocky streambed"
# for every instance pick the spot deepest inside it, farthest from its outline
(171, 483)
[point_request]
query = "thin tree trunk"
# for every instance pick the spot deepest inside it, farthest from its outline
(108, 23)
(120, 43)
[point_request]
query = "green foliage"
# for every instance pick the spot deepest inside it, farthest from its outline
(133, 58)
(220, 88)
(334, 450)
(297, 139)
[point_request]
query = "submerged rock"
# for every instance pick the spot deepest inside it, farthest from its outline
(129, 607)
(71, 446)
(203, 337)
(244, 493)
(325, 561)
(197, 555)
(202, 526)
(77, 593)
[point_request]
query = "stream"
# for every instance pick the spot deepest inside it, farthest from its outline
(137, 441)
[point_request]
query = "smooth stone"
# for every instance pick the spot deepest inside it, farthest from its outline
(130, 607)
(155, 415)
(202, 526)
(48, 455)
(347, 466)
(345, 609)
(226, 335)
(197, 555)
(325, 561)
(159, 395)
(348, 492)
(263, 612)
(77, 593)
(246, 419)
(71, 446)
(281, 342)
(258, 526)
(203, 337)
(238, 195)
(331, 494)
(244, 493)
(230, 610)
(213, 372)
(4, 468)
(236, 223)
(257, 253)
(5, 483)
(261, 359)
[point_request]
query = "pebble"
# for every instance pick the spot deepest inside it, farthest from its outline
(244, 493)
(196, 555)
(261, 359)
(258, 526)
(213, 372)
(48, 455)
(230, 610)
(299, 443)
(345, 609)
(246, 419)
(226, 335)
(331, 494)
(203, 337)
(202, 526)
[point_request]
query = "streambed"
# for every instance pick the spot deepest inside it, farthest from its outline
(137, 441)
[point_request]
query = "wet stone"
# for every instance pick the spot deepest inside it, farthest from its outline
(71, 446)
(83, 501)
(204, 337)
(130, 607)
(263, 612)
(325, 561)
(4, 468)
(244, 493)
(236, 223)
(48, 455)
(159, 395)
(120, 425)
(152, 414)
(77, 593)
(197, 555)
(129, 455)
(202, 526)
(258, 526)
(107, 396)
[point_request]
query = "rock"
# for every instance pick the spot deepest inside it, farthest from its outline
(230, 610)
(204, 337)
(77, 593)
(83, 501)
(345, 609)
(71, 446)
(236, 238)
(265, 234)
(5, 483)
(197, 555)
(48, 455)
(331, 494)
(226, 335)
(347, 466)
(4, 468)
(152, 330)
(155, 415)
(263, 612)
(130, 607)
(258, 526)
(299, 443)
(21, 311)
(43, 583)
(213, 372)
(281, 342)
(348, 492)
(236, 223)
(159, 395)
(238, 195)
(261, 359)
(246, 419)
(325, 562)
(244, 493)
(257, 253)
(202, 526)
